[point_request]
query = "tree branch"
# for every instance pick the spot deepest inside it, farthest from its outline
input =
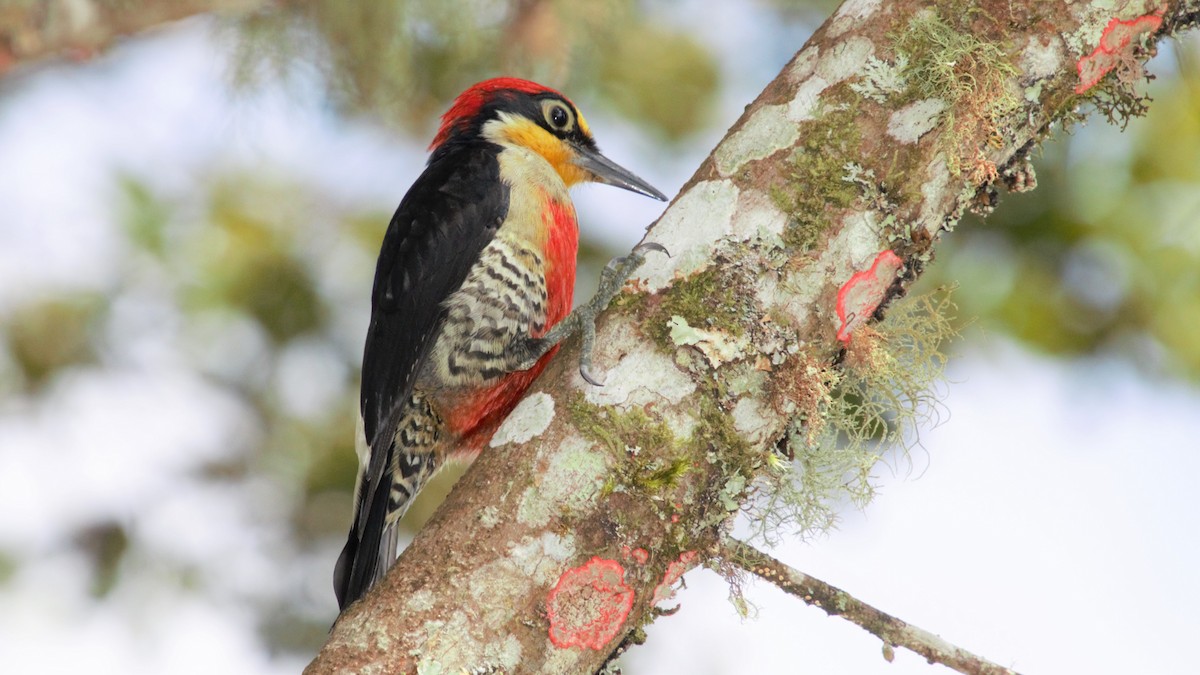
(824, 202)
(79, 29)
(836, 602)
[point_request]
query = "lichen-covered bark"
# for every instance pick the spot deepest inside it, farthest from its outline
(79, 29)
(822, 204)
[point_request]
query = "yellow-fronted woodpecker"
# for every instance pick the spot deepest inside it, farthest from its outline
(471, 297)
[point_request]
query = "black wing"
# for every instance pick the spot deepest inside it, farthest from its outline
(437, 233)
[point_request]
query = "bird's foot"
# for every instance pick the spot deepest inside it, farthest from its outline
(583, 318)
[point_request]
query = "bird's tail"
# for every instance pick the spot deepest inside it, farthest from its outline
(386, 489)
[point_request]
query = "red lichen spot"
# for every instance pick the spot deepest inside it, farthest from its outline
(860, 296)
(1112, 50)
(674, 572)
(640, 556)
(1092, 68)
(637, 555)
(589, 604)
(1118, 34)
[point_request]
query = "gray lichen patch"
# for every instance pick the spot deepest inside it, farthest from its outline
(717, 346)
(362, 634)
(550, 546)
(882, 80)
(755, 422)
(489, 517)
(916, 119)
(452, 647)
(528, 420)
(571, 479)
(805, 103)
(421, 601)
(843, 61)
(858, 241)
(560, 660)
(1042, 58)
(690, 230)
(639, 378)
(932, 217)
(766, 132)
(496, 587)
(846, 59)
(804, 64)
(536, 559)
(766, 289)
(758, 217)
(851, 15)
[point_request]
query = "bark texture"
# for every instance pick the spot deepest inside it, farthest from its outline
(556, 546)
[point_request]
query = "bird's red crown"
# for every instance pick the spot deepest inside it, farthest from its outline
(469, 103)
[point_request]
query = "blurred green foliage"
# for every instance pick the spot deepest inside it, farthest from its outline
(402, 61)
(51, 335)
(105, 543)
(247, 262)
(144, 215)
(674, 96)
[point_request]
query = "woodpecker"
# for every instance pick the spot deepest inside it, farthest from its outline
(472, 294)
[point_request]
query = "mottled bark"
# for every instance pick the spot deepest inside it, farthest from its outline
(556, 545)
(38, 29)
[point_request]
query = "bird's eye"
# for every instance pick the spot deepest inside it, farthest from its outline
(557, 115)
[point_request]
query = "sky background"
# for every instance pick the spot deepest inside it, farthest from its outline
(1047, 522)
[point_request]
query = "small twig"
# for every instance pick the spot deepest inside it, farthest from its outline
(836, 602)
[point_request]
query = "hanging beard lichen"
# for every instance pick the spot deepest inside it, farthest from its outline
(854, 414)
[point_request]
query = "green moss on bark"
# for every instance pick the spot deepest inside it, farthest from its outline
(814, 189)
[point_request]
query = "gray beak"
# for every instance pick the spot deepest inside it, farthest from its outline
(607, 171)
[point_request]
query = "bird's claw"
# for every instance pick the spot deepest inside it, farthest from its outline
(587, 343)
(622, 266)
(586, 373)
(583, 319)
(652, 246)
(612, 278)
